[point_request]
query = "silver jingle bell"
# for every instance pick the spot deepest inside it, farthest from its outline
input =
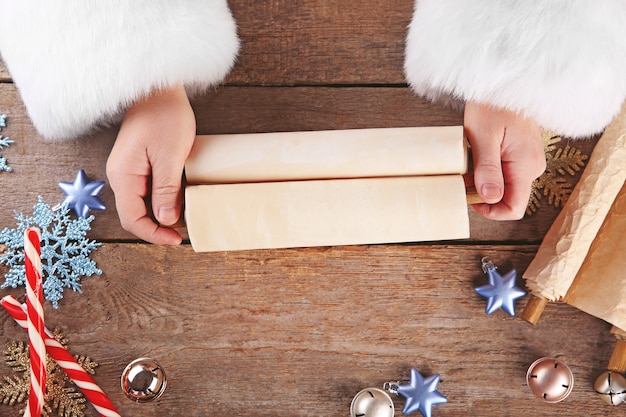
(611, 387)
(143, 380)
(372, 402)
(550, 379)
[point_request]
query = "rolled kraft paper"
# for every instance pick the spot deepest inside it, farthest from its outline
(329, 154)
(568, 240)
(326, 212)
(600, 286)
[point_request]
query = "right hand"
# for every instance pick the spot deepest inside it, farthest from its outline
(508, 155)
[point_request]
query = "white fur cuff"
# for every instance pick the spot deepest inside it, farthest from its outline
(559, 62)
(79, 63)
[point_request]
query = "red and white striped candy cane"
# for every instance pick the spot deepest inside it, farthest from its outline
(35, 325)
(66, 361)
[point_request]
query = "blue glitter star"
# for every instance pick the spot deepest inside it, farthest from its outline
(82, 195)
(501, 291)
(421, 393)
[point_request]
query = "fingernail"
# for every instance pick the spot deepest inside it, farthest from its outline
(491, 190)
(167, 215)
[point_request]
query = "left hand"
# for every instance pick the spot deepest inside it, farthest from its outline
(508, 155)
(147, 162)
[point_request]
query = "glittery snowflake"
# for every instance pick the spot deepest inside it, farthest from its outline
(4, 142)
(553, 184)
(62, 395)
(64, 250)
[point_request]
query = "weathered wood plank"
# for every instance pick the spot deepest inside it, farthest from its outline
(39, 165)
(300, 332)
(274, 109)
(321, 42)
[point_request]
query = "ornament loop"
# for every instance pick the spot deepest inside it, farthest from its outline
(391, 387)
(488, 264)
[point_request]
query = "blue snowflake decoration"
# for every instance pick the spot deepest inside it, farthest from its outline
(64, 250)
(3, 165)
(4, 142)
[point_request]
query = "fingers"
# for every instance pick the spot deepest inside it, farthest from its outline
(508, 156)
(130, 190)
(167, 153)
(511, 207)
(486, 141)
(488, 177)
(166, 193)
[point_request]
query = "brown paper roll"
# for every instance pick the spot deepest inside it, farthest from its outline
(600, 285)
(565, 246)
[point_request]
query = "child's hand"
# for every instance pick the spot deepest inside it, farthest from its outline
(146, 164)
(508, 156)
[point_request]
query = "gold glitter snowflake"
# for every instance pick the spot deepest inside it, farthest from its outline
(62, 396)
(553, 183)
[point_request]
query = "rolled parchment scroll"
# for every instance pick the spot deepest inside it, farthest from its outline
(295, 189)
(327, 154)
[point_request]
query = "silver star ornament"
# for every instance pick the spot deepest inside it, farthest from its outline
(501, 291)
(82, 195)
(421, 393)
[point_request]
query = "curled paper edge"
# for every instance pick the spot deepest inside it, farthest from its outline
(565, 246)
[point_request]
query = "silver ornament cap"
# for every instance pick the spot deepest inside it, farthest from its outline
(372, 402)
(143, 380)
(611, 387)
(550, 379)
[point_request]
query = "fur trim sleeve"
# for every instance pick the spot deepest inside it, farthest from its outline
(80, 63)
(559, 62)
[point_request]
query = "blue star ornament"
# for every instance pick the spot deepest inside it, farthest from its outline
(501, 291)
(82, 195)
(421, 393)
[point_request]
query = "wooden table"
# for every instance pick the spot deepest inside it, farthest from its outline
(298, 332)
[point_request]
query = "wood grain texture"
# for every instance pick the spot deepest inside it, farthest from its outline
(288, 42)
(300, 332)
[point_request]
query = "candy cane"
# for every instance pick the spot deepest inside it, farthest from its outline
(35, 325)
(66, 361)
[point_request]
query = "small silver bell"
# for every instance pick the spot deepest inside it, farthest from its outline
(372, 402)
(611, 387)
(550, 379)
(143, 380)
